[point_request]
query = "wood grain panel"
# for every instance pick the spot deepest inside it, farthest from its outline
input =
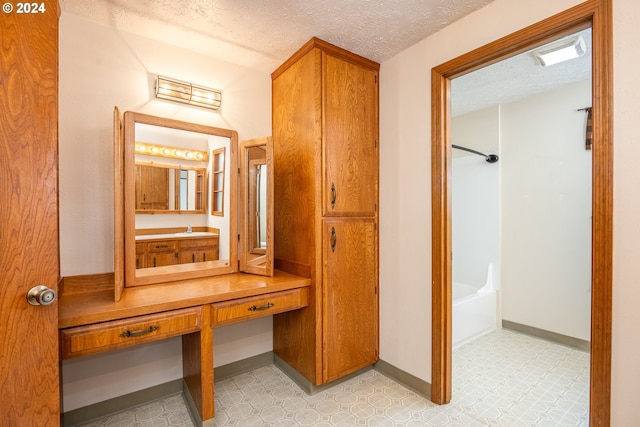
(29, 372)
(297, 160)
(197, 366)
(297, 142)
(118, 206)
(86, 283)
(350, 291)
(350, 118)
(598, 15)
(96, 338)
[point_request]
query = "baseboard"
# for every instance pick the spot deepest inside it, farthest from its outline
(242, 366)
(566, 340)
(193, 410)
(422, 387)
(306, 385)
(121, 403)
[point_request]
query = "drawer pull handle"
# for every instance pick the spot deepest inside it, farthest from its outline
(334, 195)
(334, 239)
(128, 333)
(261, 307)
(162, 246)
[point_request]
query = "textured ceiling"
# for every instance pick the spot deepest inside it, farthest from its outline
(263, 33)
(516, 78)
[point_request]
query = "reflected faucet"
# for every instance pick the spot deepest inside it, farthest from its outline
(189, 229)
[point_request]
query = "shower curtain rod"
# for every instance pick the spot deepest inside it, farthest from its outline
(490, 158)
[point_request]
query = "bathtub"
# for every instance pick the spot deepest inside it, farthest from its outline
(474, 310)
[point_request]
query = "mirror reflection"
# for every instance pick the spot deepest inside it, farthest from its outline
(258, 203)
(169, 234)
(165, 189)
(256, 188)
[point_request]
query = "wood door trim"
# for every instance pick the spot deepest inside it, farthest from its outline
(598, 15)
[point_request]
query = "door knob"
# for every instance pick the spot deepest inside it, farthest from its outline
(41, 295)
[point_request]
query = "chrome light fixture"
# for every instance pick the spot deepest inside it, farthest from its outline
(188, 93)
(560, 52)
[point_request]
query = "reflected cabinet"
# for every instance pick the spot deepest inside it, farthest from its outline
(325, 132)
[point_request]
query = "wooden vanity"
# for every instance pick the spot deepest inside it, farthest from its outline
(182, 280)
(320, 229)
(90, 321)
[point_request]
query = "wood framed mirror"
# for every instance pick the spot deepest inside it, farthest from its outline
(188, 243)
(256, 201)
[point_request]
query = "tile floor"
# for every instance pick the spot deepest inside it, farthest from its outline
(502, 379)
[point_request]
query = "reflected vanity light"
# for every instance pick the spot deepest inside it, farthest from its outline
(170, 152)
(188, 93)
(560, 52)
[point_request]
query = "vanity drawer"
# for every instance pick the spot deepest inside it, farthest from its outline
(224, 313)
(198, 243)
(83, 340)
(162, 246)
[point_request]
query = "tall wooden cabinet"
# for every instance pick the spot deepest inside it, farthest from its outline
(325, 132)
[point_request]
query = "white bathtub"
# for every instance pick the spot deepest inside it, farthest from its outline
(474, 310)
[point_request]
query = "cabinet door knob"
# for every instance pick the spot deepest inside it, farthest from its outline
(334, 239)
(334, 195)
(41, 295)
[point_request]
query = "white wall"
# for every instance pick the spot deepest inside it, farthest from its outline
(626, 204)
(546, 212)
(101, 68)
(475, 205)
(405, 233)
(405, 186)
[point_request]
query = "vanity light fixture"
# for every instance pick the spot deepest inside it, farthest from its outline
(188, 93)
(560, 52)
(170, 152)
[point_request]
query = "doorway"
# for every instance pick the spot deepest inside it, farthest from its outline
(594, 13)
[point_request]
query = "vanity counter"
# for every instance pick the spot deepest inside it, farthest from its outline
(182, 235)
(83, 308)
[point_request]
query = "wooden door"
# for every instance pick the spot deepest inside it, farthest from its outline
(350, 290)
(350, 138)
(29, 373)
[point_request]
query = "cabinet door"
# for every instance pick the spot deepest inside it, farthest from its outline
(161, 253)
(144, 184)
(141, 252)
(350, 139)
(198, 250)
(161, 258)
(152, 188)
(199, 255)
(350, 308)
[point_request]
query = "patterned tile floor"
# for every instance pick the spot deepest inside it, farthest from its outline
(502, 379)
